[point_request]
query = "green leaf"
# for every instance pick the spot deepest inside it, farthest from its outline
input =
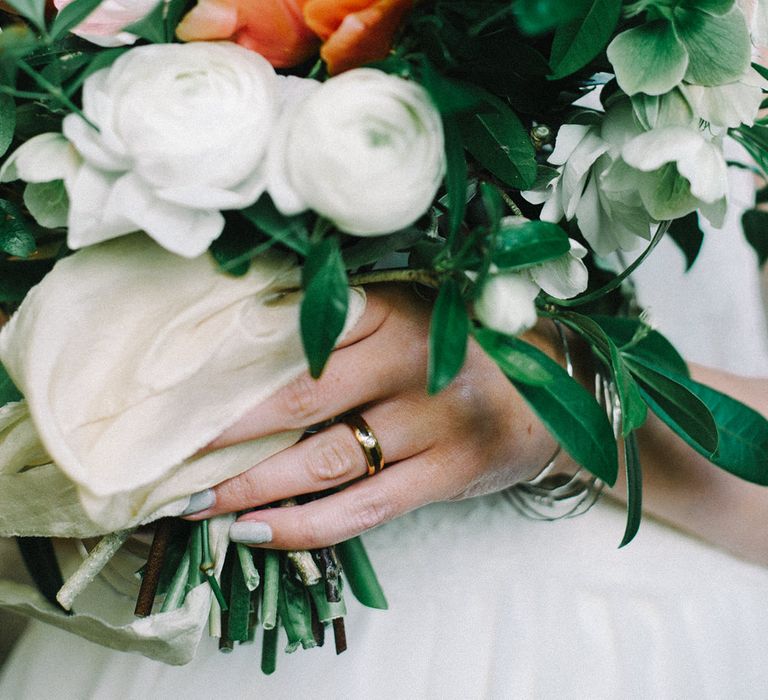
(291, 231)
(238, 244)
(152, 27)
(676, 405)
(719, 48)
(8, 390)
(367, 250)
(16, 238)
(743, 434)
(536, 16)
(688, 236)
(17, 278)
(455, 175)
(7, 122)
(575, 44)
(325, 302)
(634, 489)
(501, 144)
(33, 10)
(519, 360)
(72, 15)
(654, 46)
(633, 408)
(575, 419)
(448, 333)
(523, 244)
(637, 341)
(755, 223)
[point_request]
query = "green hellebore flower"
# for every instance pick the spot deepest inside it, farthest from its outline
(704, 43)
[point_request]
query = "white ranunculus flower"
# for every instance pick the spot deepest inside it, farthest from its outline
(183, 134)
(104, 26)
(365, 150)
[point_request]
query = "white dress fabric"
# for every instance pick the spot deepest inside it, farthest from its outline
(486, 604)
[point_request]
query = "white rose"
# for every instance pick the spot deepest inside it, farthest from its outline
(364, 149)
(105, 24)
(183, 134)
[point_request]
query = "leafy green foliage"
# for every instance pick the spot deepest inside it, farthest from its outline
(634, 489)
(16, 237)
(638, 341)
(536, 16)
(325, 303)
(159, 25)
(742, 434)
(688, 236)
(579, 41)
(501, 144)
(33, 10)
(519, 360)
(8, 390)
(71, 16)
(677, 406)
(563, 405)
(455, 175)
(18, 277)
(448, 333)
(755, 223)
(291, 231)
(520, 245)
(7, 122)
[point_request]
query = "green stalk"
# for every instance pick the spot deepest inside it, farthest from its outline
(208, 567)
(195, 557)
(271, 588)
(269, 650)
(174, 597)
(360, 574)
(250, 572)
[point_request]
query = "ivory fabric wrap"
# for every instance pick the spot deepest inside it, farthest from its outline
(132, 359)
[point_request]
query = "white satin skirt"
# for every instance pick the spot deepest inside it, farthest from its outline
(483, 604)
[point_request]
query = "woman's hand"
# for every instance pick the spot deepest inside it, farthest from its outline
(477, 436)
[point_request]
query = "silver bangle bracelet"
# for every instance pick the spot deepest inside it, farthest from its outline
(557, 496)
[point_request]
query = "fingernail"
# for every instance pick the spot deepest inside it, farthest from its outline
(250, 532)
(202, 500)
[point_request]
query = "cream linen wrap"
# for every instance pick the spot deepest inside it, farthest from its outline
(132, 359)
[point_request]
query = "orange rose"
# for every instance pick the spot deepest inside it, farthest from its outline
(355, 32)
(273, 28)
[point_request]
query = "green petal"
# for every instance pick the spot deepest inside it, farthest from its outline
(711, 7)
(719, 48)
(656, 48)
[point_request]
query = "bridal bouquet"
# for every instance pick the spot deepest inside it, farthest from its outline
(194, 193)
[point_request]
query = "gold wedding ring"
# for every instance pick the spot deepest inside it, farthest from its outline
(374, 458)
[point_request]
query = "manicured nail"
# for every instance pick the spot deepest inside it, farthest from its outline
(202, 500)
(250, 532)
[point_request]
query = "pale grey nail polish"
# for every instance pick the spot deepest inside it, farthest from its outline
(200, 501)
(250, 532)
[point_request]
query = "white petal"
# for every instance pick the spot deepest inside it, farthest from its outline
(43, 158)
(707, 172)
(90, 220)
(568, 138)
(563, 278)
(90, 145)
(184, 231)
(506, 303)
(651, 150)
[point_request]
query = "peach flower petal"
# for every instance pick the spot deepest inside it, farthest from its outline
(273, 28)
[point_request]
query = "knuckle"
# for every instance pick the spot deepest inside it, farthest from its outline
(330, 461)
(300, 400)
(370, 511)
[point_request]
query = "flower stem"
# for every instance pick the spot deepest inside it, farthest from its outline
(89, 569)
(425, 277)
(151, 578)
(271, 588)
